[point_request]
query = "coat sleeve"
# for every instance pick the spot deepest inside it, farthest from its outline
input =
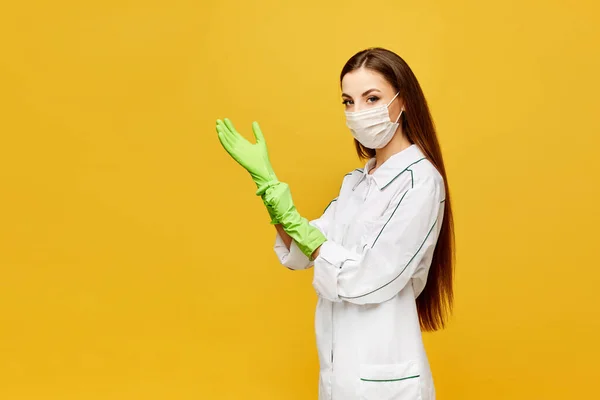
(293, 258)
(389, 255)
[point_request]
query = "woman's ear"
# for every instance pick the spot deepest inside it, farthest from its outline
(402, 103)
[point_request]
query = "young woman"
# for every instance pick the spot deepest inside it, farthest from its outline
(383, 250)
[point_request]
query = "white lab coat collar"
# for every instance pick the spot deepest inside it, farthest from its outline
(392, 167)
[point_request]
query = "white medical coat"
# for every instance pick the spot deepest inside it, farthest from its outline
(381, 233)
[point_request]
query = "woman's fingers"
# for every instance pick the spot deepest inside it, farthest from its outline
(229, 125)
(233, 138)
(232, 132)
(257, 133)
(224, 139)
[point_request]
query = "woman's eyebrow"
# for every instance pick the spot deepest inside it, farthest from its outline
(364, 94)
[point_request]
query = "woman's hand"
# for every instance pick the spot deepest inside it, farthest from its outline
(253, 157)
(276, 195)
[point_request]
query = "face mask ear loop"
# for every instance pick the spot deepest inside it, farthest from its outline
(394, 98)
(399, 115)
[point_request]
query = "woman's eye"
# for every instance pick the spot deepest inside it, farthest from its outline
(372, 99)
(346, 102)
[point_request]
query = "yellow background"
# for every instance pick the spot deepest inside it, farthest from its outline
(136, 262)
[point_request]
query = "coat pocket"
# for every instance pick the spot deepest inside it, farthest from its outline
(390, 381)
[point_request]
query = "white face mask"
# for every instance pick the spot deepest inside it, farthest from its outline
(372, 127)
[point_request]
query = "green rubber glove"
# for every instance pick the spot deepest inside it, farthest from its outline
(275, 195)
(253, 157)
(278, 200)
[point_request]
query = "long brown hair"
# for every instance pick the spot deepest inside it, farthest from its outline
(435, 303)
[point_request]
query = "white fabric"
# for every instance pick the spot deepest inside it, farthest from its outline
(381, 232)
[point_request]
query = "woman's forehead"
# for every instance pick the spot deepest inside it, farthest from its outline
(360, 80)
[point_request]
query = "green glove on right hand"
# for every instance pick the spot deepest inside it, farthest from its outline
(278, 200)
(253, 157)
(276, 195)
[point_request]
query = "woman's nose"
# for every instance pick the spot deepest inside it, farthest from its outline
(360, 106)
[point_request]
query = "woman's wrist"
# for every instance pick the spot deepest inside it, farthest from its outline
(315, 254)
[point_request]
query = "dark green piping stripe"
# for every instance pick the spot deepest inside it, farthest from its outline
(412, 185)
(386, 222)
(393, 179)
(350, 173)
(390, 380)
(329, 205)
(403, 269)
